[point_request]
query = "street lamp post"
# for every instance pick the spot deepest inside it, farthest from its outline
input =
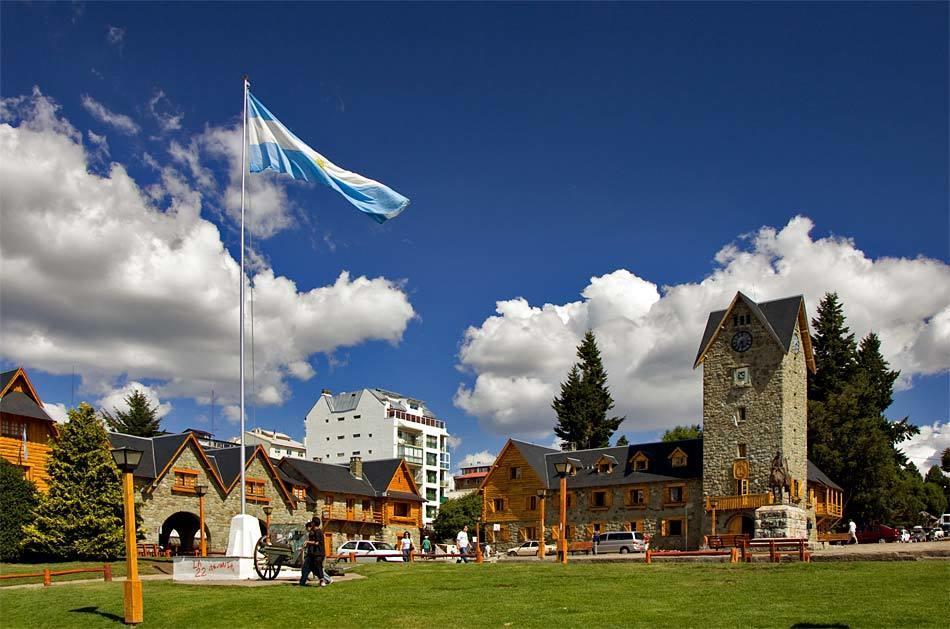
(563, 468)
(201, 490)
(127, 459)
(541, 495)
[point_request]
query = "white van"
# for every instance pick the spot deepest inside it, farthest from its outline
(621, 542)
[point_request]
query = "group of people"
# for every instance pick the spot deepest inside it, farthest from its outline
(428, 548)
(315, 552)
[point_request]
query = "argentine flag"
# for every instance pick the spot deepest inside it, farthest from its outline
(271, 146)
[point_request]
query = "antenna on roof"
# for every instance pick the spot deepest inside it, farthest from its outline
(212, 411)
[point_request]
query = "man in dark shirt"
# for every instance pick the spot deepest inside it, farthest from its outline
(314, 554)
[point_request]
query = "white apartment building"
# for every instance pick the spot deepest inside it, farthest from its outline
(379, 424)
(277, 444)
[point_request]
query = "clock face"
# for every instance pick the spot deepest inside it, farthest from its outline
(742, 341)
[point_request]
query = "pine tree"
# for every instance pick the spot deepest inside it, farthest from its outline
(945, 460)
(622, 441)
(139, 420)
(82, 516)
(880, 379)
(835, 351)
(585, 399)
(678, 433)
(18, 499)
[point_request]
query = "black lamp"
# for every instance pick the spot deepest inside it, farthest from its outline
(126, 459)
(201, 490)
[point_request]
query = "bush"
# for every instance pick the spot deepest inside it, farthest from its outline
(18, 498)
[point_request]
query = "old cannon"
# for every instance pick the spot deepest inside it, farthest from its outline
(284, 546)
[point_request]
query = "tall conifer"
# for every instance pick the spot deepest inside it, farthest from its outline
(141, 419)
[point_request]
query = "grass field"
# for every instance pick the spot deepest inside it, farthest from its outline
(857, 594)
(146, 566)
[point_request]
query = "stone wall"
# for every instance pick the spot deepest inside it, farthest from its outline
(781, 521)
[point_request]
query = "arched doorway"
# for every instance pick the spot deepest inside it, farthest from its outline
(180, 532)
(741, 524)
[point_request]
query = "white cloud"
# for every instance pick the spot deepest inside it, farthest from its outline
(454, 442)
(57, 411)
(100, 143)
(165, 112)
(476, 458)
(99, 111)
(132, 284)
(648, 337)
(925, 448)
(115, 36)
(115, 399)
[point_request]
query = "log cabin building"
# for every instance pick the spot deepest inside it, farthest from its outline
(25, 428)
(755, 359)
(376, 500)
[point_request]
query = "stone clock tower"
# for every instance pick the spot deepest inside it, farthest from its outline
(755, 359)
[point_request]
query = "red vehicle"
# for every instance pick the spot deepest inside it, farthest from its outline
(878, 533)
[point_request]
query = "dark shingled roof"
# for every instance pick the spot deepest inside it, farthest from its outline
(380, 473)
(17, 403)
(327, 477)
(534, 455)
(778, 316)
(815, 475)
(404, 495)
(659, 468)
(146, 468)
(5, 378)
(228, 461)
(164, 448)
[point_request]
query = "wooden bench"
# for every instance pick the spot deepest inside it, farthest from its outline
(780, 546)
(726, 540)
(732, 554)
(580, 547)
(834, 538)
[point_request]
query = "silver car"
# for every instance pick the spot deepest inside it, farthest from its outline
(621, 542)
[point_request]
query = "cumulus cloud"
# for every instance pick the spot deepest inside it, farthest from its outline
(115, 400)
(165, 112)
(104, 115)
(924, 449)
(132, 284)
(649, 335)
(57, 411)
(476, 458)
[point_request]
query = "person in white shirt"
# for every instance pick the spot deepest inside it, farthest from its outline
(461, 540)
(853, 532)
(405, 544)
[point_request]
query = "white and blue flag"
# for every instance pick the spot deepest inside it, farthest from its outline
(271, 146)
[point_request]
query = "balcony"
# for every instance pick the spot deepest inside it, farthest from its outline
(342, 514)
(735, 503)
(445, 460)
(418, 419)
(412, 455)
(828, 510)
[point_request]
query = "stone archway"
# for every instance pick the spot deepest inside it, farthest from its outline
(743, 524)
(181, 529)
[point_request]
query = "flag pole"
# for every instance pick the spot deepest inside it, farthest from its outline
(243, 175)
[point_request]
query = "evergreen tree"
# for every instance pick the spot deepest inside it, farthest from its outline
(622, 441)
(938, 478)
(835, 351)
(880, 379)
(455, 513)
(678, 433)
(140, 420)
(82, 516)
(18, 499)
(945, 460)
(585, 401)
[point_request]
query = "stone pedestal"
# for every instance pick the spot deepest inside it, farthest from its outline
(773, 521)
(245, 531)
(213, 569)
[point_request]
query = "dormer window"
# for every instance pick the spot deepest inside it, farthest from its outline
(605, 464)
(639, 462)
(678, 458)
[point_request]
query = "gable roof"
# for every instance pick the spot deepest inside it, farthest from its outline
(160, 452)
(660, 467)
(779, 317)
(146, 468)
(5, 379)
(380, 473)
(815, 475)
(534, 455)
(327, 477)
(17, 403)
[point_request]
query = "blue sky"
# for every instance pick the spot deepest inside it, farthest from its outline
(541, 146)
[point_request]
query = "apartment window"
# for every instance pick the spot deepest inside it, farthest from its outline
(401, 509)
(498, 504)
(431, 494)
(742, 487)
(431, 512)
(431, 477)
(675, 494)
(185, 480)
(357, 416)
(514, 473)
(341, 436)
(356, 436)
(432, 459)
(341, 418)
(741, 451)
(638, 497)
(432, 442)
(531, 503)
(356, 453)
(341, 454)
(599, 499)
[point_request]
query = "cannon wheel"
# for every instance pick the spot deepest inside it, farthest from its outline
(262, 564)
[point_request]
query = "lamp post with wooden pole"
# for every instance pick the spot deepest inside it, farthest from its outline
(201, 490)
(127, 459)
(563, 468)
(267, 511)
(541, 495)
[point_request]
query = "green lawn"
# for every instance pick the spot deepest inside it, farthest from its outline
(858, 594)
(146, 566)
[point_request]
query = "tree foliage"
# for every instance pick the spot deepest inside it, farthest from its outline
(623, 441)
(18, 498)
(945, 460)
(81, 517)
(456, 513)
(585, 401)
(678, 433)
(849, 436)
(141, 419)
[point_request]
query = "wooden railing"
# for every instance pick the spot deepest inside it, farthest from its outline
(341, 513)
(828, 509)
(47, 574)
(732, 503)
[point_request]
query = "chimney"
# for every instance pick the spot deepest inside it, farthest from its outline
(356, 466)
(326, 392)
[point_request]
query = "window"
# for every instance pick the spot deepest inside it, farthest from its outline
(431, 477)
(370, 435)
(350, 503)
(675, 494)
(673, 526)
(12, 428)
(432, 459)
(432, 442)
(741, 377)
(254, 488)
(300, 493)
(185, 481)
(356, 436)
(328, 440)
(530, 533)
(364, 546)
(371, 450)
(328, 501)
(366, 505)
(339, 419)
(498, 504)
(430, 511)
(356, 452)
(341, 454)
(357, 416)
(599, 499)
(635, 525)
(401, 509)
(431, 494)
(678, 458)
(741, 450)
(514, 473)
(531, 503)
(604, 468)
(640, 462)
(638, 497)
(341, 436)
(742, 487)
(743, 319)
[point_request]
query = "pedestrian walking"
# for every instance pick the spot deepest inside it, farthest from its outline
(405, 544)
(427, 546)
(461, 540)
(314, 554)
(852, 532)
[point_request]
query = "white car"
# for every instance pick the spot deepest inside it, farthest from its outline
(369, 550)
(530, 549)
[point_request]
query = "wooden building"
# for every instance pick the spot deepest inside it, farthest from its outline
(25, 428)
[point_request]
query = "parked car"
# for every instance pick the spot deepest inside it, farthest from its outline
(621, 542)
(530, 548)
(935, 533)
(368, 550)
(918, 534)
(879, 533)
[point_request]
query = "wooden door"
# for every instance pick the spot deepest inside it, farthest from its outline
(328, 543)
(349, 508)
